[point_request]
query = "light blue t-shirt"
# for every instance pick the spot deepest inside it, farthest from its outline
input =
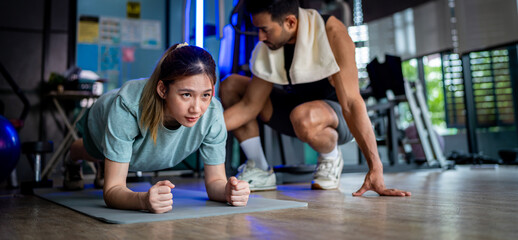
(113, 125)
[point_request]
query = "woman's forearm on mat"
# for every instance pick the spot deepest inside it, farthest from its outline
(216, 190)
(121, 197)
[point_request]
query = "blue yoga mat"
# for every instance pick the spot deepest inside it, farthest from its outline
(187, 204)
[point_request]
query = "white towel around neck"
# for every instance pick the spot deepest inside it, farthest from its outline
(313, 58)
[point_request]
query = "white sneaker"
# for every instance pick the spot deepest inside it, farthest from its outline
(258, 179)
(328, 172)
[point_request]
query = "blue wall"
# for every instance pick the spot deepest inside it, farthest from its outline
(145, 59)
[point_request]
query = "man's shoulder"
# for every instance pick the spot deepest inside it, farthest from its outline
(335, 29)
(334, 25)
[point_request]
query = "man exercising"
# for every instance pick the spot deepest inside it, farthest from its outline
(304, 84)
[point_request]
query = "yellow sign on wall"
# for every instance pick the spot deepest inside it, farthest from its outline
(88, 29)
(133, 10)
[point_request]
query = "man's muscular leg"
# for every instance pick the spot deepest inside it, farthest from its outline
(232, 90)
(315, 123)
(255, 171)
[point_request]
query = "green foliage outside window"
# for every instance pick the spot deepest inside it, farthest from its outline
(410, 74)
(434, 90)
(409, 68)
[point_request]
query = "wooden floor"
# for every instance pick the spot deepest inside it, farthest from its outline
(456, 204)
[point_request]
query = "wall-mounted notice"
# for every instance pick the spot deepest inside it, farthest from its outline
(133, 10)
(88, 29)
(130, 31)
(128, 54)
(110, 30)
(110, 65)
(150, 34)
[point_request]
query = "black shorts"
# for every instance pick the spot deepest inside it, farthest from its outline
(283, 102)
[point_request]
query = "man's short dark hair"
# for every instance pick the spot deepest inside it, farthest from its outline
(277, 8)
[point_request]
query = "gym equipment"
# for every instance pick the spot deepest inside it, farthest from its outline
(432, 150)
(509, 156)
(412, 138)
(31, 148)
(34, 152)
(59, 98)
(18, 123)
(386, 82)
(9, 148)
(187, 204)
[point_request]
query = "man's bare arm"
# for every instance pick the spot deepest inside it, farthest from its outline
(256, 95)
(354, 109)
(348, 91)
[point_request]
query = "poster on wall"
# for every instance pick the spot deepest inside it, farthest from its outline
(128, 54)
(88, 29)
(130, 31)
(150, 34)
(110, 30)
(110, 61)
(111, 46)
(133, 10)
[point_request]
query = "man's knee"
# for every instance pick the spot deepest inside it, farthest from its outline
(231, 83)
(310, 118)
(231, 88)
(303, 120)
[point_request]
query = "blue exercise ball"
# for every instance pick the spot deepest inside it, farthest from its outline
(9, 148)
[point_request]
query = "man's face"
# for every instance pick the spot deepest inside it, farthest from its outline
(271, 33)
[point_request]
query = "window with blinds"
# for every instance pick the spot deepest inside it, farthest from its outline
(453, 90)
(492, 91)
(492, 88)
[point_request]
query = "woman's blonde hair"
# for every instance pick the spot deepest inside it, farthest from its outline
(179, 61)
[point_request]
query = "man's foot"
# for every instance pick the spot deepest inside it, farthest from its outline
(99, 176)
(258, 179)
(327, 174)
(73, 179)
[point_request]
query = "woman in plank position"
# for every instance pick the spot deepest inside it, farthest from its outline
(152, 124)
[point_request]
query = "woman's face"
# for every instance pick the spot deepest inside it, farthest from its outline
(187, 99)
